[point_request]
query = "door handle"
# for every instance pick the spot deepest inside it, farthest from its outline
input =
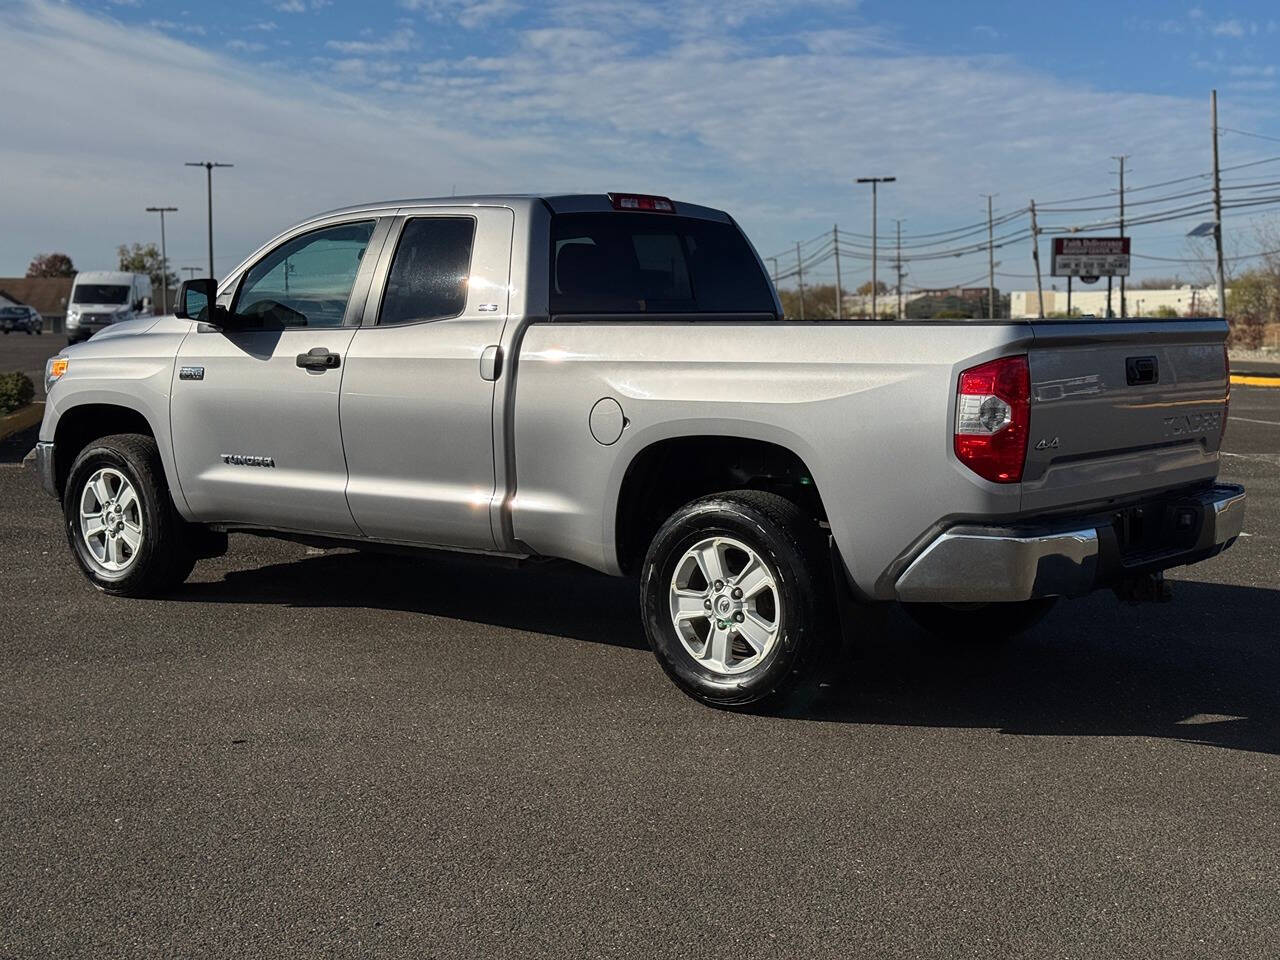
(319, 358)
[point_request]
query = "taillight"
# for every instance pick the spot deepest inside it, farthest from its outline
(642, 202)
(993, 417)
(1226, 407)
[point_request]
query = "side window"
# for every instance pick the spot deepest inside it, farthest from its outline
(430, 270)
(306, 281)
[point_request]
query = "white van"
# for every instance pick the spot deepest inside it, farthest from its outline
(103, 297)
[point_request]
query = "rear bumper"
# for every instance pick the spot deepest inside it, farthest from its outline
(1069, 557)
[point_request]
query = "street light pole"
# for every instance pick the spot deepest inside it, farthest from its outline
(1124, 312)
(991, 261)
(191, 272)
(875, 182)
(208, 166)
(164, 256)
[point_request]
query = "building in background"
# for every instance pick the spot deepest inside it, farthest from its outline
(48, 295)
(1086, 300)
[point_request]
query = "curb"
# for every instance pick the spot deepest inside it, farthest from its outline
(1248, 381)
(22, 419)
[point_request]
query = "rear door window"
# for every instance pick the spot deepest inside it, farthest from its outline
(429, 274)
(647, 263)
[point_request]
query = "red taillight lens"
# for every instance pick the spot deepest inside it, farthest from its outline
(993, 417)
(642, 202)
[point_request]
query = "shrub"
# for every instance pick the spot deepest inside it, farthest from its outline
(16, 390)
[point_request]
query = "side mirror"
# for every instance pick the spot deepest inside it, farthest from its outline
(194, 298)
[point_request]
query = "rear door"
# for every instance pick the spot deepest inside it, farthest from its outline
(1119, 408)
(255, 410)
(417, 394)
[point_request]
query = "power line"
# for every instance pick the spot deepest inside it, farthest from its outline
(1247, 133)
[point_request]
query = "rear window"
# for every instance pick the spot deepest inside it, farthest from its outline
(649, 263)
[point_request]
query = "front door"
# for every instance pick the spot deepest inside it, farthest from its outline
(255, 406)
(417, 395)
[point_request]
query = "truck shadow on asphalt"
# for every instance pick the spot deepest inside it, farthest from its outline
(1203, 669)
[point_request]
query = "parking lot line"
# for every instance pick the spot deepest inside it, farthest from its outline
(1269, 423)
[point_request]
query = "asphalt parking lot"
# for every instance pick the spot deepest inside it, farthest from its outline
(308, 752)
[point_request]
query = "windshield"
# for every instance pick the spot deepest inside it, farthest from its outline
(645, 263)
(100, 293)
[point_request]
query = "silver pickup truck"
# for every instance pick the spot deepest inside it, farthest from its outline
(608, 379)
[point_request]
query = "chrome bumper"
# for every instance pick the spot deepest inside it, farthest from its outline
(44, 468)
(970, 564)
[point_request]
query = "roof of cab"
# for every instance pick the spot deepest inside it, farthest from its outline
(557, 202)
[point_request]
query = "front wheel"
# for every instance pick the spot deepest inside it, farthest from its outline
(120, 521)
(736, 598)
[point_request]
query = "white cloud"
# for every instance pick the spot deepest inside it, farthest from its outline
(1229, 28)
(396, 42)
(291, 6)
(246, 46)
(469, 14)
(195, 29)
(774, 135)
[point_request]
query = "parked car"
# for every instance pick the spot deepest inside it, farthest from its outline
(21, 319)
(609, 380)
(100, 298)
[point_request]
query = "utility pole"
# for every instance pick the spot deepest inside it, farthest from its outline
(991, 260)
(800, 275)
(1217, 210)
(208, 166)
(875, 182)
(164, 257)
(835, 245)
(774, 276)
(1035, 255)
(1124, 311)
(898, 267)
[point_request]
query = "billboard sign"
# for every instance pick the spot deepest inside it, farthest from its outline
(1090, 257)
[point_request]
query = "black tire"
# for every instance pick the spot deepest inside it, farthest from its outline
(790, 544)
(968, 628)
(164, 557)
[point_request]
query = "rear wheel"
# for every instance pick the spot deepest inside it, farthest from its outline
(736, 599)
(970, 627)
(120, 520)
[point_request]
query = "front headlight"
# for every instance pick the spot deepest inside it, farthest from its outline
(54, 369)
(73, 318)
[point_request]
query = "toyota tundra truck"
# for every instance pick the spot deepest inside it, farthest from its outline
(610, 380)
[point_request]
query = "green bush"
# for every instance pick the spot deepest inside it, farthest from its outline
(16, 390)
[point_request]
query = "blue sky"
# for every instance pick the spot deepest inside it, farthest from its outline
(768, 108)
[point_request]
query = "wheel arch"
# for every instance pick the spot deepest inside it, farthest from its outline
(670, 472)
(82, 424)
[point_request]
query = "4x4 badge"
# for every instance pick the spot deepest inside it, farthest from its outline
(191, 373)
(1047, 444)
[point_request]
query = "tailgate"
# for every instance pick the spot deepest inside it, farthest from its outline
(1122, 407)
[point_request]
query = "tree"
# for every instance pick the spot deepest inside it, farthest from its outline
(819, 302)
(881, 289)
(145, 259)
(1164, 312)
(1158, 283)
(51, 265)
(1254, 302)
